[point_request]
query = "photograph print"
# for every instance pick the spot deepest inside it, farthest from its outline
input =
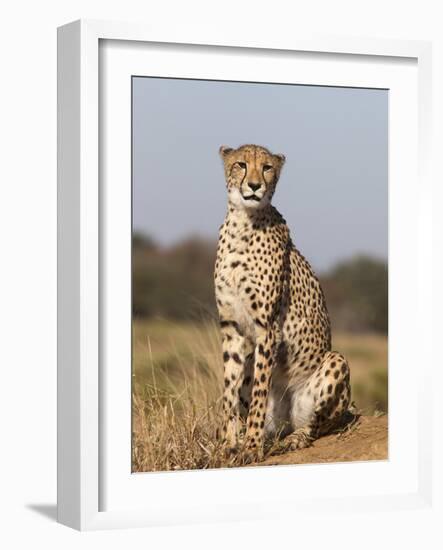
(259, 274)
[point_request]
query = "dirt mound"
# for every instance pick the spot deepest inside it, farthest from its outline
(367, 439)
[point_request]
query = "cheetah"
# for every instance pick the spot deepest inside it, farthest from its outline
(280, 375)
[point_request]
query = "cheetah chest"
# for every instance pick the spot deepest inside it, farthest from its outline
(230, 294)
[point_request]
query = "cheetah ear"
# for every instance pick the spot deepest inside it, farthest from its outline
(281, 158)
(224, 151)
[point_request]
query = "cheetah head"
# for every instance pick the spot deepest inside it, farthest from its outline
(251, 175)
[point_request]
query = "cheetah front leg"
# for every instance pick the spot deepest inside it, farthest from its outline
(263, 363)
(233, 346)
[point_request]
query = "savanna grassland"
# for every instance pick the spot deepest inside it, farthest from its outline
(177, 388)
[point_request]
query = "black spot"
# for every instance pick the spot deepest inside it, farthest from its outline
(236, 358)
(233, 324)
(235, 264)
(330, 388)
(226, 383)
(225, 356)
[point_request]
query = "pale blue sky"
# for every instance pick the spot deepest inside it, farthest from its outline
(333, 190)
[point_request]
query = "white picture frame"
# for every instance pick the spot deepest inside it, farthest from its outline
(85, 471)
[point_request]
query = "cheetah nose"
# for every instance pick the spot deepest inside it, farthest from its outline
(254, 186)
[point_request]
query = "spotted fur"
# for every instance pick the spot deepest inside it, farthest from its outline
(280, 374)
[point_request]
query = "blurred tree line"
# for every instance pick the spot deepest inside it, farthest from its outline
(177, 283)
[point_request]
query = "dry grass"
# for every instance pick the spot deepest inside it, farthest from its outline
(368, 359)
(177, 388)
(165, 439)
(177, 398)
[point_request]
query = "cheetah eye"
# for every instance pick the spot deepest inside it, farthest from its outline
(242, 165)
(267, 167)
